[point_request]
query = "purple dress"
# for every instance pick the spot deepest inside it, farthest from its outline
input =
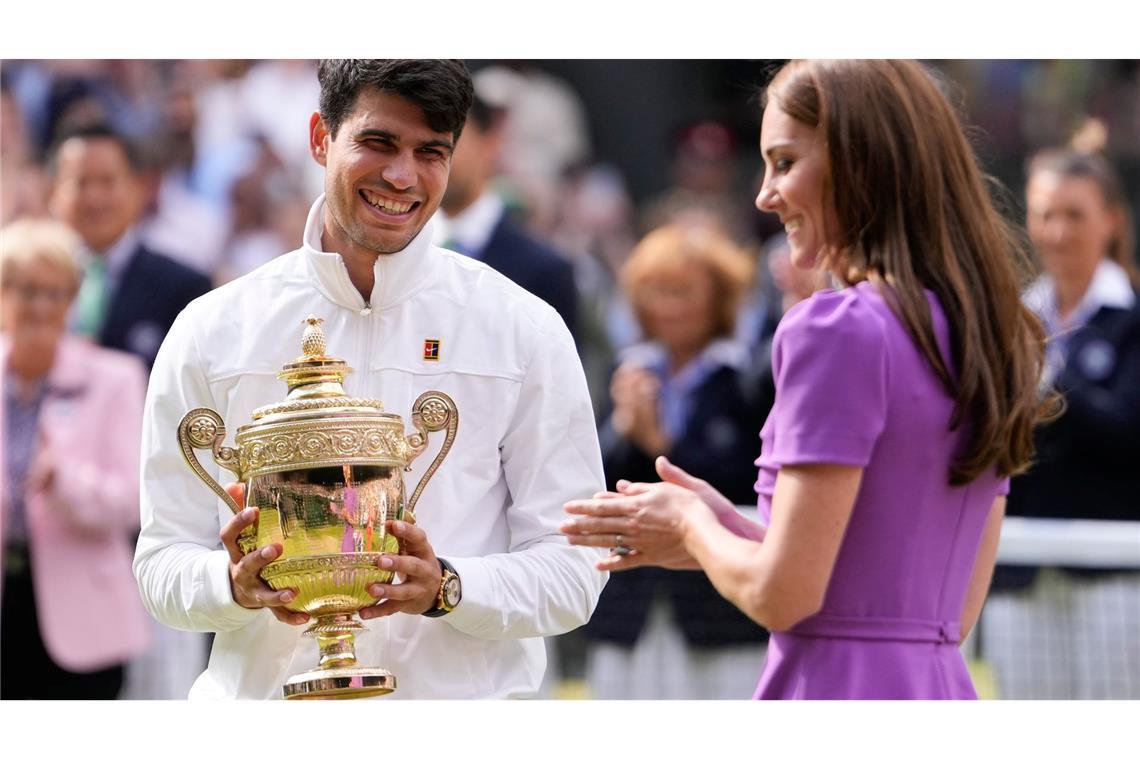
(852, 388)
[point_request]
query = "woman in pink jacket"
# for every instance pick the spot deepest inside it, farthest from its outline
(71, 421)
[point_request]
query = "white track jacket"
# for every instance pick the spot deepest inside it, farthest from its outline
(526, 444)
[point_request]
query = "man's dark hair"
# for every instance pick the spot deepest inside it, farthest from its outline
(96, 131)
(441, 88)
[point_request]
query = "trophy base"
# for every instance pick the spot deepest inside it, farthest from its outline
(340, 683)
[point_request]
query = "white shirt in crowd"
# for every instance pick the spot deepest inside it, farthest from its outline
(469, 231)
(526, 444)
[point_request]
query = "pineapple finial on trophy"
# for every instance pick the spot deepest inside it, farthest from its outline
(314, 374)
(313, 340)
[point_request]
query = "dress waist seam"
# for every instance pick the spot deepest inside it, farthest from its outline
(879, 629)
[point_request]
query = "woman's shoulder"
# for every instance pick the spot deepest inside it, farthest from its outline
(854, 317)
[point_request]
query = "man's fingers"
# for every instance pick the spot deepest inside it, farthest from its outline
(236, 525)
(237, 493)
(254, 561)
(416, 574)
(385, 609)
(248, 588)
(407, 565)
(248, 569)
(415, 539)
(259, 594)
(287, 616)
(397, 592)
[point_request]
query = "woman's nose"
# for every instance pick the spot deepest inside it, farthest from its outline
(767, 199)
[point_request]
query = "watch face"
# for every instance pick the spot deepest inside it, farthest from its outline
(451, 592)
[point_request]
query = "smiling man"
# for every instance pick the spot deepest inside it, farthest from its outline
(408, 317)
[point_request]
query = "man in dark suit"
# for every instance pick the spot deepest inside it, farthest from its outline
(128, 300)
(130, 294)
(475, 222)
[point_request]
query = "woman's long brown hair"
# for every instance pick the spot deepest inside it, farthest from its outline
(915, 212)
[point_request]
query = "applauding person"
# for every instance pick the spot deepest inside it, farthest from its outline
(687, 393)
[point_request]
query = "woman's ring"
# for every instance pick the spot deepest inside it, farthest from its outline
(619, 541)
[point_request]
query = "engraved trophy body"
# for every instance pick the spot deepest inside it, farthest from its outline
(326, 472)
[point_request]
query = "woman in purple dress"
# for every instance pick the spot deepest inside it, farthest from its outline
(904, 400)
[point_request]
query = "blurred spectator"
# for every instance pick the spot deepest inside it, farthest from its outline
(24, 187)
(267, 216)
(1118, 101)
(177, 219)
(704, 183)
(279, 97)
(792, 283)
(71, 418)
(130, 294)
(595, 226)
(765, 303)
(769, 300)
(1075, 634)
(1052, 92)
(224, 148)
(65, 94)
(474, 221)
(656, 634)
(129, 298)
(545, 135)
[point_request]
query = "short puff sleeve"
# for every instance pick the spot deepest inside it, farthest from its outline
(830, 361)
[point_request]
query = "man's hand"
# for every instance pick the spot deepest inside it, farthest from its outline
(419, 576)
(245, 582)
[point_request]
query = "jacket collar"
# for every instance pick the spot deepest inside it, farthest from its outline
(1110, 287)
(469, 231)
(119, 255)
(398, 275)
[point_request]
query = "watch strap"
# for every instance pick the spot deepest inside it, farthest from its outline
(447, 571)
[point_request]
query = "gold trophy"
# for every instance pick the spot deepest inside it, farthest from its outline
(326, 472)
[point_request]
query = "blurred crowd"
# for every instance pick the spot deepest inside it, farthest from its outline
(163, 179)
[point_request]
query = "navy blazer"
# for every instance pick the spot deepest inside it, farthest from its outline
(720, 444)
(150, 293)
(1086, 460)
(534, 266)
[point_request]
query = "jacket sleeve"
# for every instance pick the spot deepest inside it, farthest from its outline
(542, 586)
(100, 495)
(564, 295)
(181, 569)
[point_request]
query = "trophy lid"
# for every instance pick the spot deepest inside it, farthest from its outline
(315, 379)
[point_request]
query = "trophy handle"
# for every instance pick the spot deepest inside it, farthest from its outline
(203, 428)
(433, 410)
